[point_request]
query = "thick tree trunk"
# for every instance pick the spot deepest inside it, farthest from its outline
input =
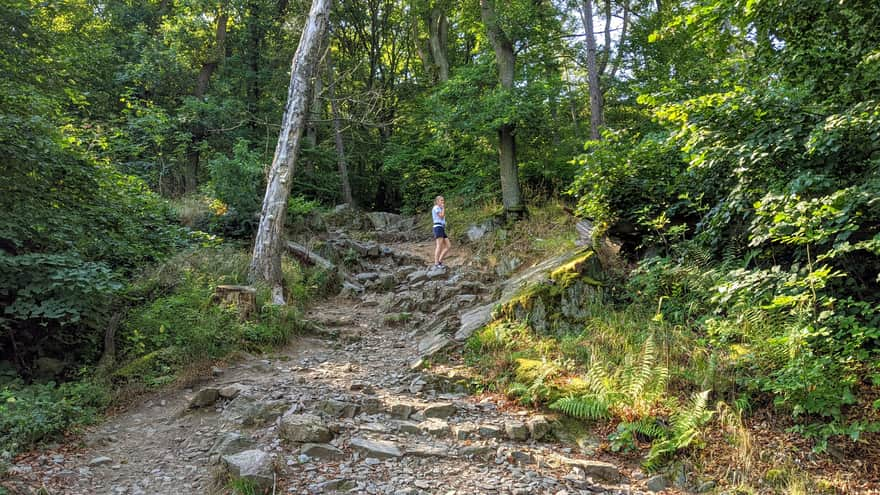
(342, 164)
(597, 118)
(269, 243)
(511, 196)
(438, 30)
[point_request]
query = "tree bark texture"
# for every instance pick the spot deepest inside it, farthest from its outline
(342, 164)
(269, 243)
(597, 118)
(505, 56)
(438, 30)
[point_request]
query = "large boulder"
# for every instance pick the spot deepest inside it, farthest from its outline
(253, 465)
(303, 428)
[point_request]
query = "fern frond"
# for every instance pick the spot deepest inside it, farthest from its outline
(582, 407)
(642, 373)
(686, 424)
(598, 380)
(648, 427)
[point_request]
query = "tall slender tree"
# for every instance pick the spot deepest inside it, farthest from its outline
(268, 246)
(597, 116)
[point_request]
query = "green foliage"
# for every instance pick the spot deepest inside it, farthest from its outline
(684, 431)
(760, 193)
(630, 391)
(33, 413)
(243, 486)
(639, 182)
(238, 181)
(583, 407)
(178, 323)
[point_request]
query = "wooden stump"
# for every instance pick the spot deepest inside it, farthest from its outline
(241, 296)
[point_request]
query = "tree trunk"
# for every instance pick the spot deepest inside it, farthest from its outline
(242, 297)
(511, 196)
(268, 246)
(337, 131)
(597, 119)
(215, 56)
(606, 50)
(311, 132)
(619, 56)
(438, 30)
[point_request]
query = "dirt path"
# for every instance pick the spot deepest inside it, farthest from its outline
(356, 417)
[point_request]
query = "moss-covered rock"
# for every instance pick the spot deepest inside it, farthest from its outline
(560, 298)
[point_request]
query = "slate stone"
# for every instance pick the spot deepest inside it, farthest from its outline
(379, 449)
(440, 410)
(323, 451)
(231, 443)
(538, 427)
(303, 428)
(516, 430)
(204, 398)
(595, 469)
(252, 465)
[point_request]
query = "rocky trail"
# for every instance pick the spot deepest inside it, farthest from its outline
(348, 408)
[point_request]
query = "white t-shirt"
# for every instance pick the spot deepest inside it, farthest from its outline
(435, 214)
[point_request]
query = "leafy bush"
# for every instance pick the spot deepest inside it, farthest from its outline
(177, 322)
(239, 183)
(36, 412)
(71, 227)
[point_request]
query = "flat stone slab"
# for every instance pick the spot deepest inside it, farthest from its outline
(516, 430)
(379, 449)
(231, 443)
(426, 451)
(433, 343)
(323, 451)
(303, 428)
(473, 320)
(596, 469)
(435, 427)
(439, 410)
(204, 398)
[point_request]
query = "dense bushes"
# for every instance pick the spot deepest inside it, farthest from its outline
(177, 323)
(772, 197)
(71, 227)
(31, 413)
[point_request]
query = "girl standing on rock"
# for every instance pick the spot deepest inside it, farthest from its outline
(441, 240)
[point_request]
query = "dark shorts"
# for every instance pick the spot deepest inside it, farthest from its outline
(439, 231)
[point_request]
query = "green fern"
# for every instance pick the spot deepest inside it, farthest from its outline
(648, 427)
(583, 407)
(685, 429)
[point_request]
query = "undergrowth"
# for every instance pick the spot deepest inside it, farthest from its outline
(686, 338)
(173, 329)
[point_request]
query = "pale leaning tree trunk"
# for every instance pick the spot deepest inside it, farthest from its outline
(269, 244)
